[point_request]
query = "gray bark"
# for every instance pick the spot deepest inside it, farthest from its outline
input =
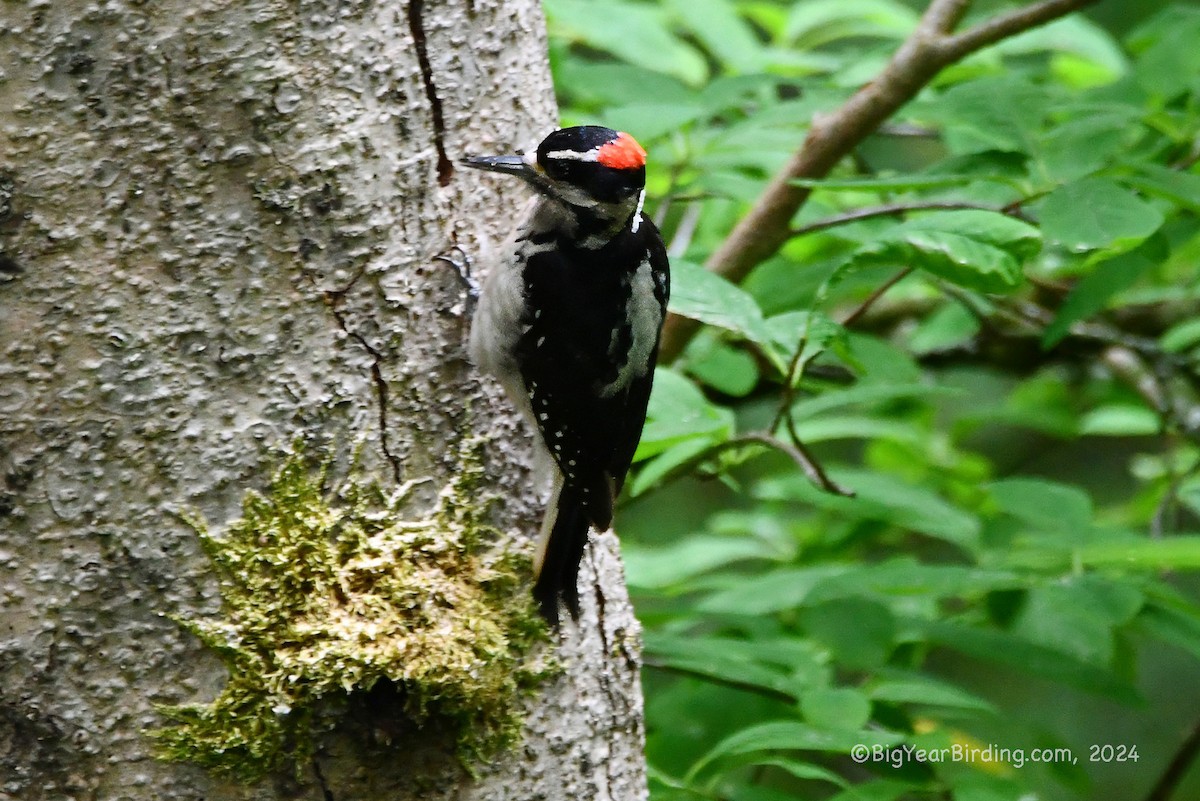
(220, 226)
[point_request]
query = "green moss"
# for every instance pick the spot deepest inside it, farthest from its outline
(325, 597)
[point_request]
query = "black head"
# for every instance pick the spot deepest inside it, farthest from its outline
(587, 166)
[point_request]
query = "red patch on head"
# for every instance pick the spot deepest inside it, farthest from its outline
(622, 153)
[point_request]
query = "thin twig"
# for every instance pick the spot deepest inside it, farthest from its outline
(790, 380)
(889, 210)
(800, 455)
(1003, 26)
(879, 292)
(1139, 362)
(685, 230)
(797, 450)
(1191, 158)
(1167, 506)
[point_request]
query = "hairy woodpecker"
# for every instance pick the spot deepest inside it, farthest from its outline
(569, 322)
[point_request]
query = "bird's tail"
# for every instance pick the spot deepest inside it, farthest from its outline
(571, 512)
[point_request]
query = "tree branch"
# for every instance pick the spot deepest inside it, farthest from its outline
(943, 16)
(799, 454)
(930, 48)
(854, 316)
(1177, 768)
(1010, 24)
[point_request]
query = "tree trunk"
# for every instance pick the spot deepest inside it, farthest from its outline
(225, 226)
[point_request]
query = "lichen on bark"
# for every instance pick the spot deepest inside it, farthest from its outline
(326, 594)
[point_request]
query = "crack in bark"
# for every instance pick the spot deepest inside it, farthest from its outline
(332, 298)
(605, 675)
(599, 588)
(445, 167)
(326, 793)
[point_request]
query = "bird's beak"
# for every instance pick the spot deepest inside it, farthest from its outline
(510, 165)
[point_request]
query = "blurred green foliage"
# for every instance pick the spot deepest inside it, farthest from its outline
(1016, 416)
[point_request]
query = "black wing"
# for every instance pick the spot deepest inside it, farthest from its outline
(588, 403)
(639, 391)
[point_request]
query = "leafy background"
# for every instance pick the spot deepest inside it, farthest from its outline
(986, 328)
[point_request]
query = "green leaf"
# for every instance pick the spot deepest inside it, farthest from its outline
(867, 394)
(1182, 188)
(1173, 624)
(951, 325)
(797, 655)
(977, 116)
(801, 770)
(726, 369)
(825, 429)
(789, 735)
(1120, 420)
(1027, 657)
(697, 554)
(678, 411)
(787, 331)
(907, 577)
(633, 32)
(1168, 62)
(877, 361)
(771, 592)
(1180, 552)
(1182, 336)
(899, 183)
(1045, 505)
(977, 786)
(614, 84)
(879, 790)
(884, 498)
(818, 22)
(1079, 146)
(1076, 618)
(1096, 213)
(979, 250)
(1093, 293)
(861, 633)
(836, 708)
(702, 295)
(717, 26)
(783, 666)
(1075, 35)
(652, 120)
(926, 691)
(666, 462)
(723, 669)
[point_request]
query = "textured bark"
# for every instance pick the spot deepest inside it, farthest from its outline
(220, 230)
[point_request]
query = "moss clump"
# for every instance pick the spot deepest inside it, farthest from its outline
(325, 598)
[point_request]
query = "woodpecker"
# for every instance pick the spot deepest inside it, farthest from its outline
(569, 322)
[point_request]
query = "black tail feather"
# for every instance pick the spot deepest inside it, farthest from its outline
(564, 551)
